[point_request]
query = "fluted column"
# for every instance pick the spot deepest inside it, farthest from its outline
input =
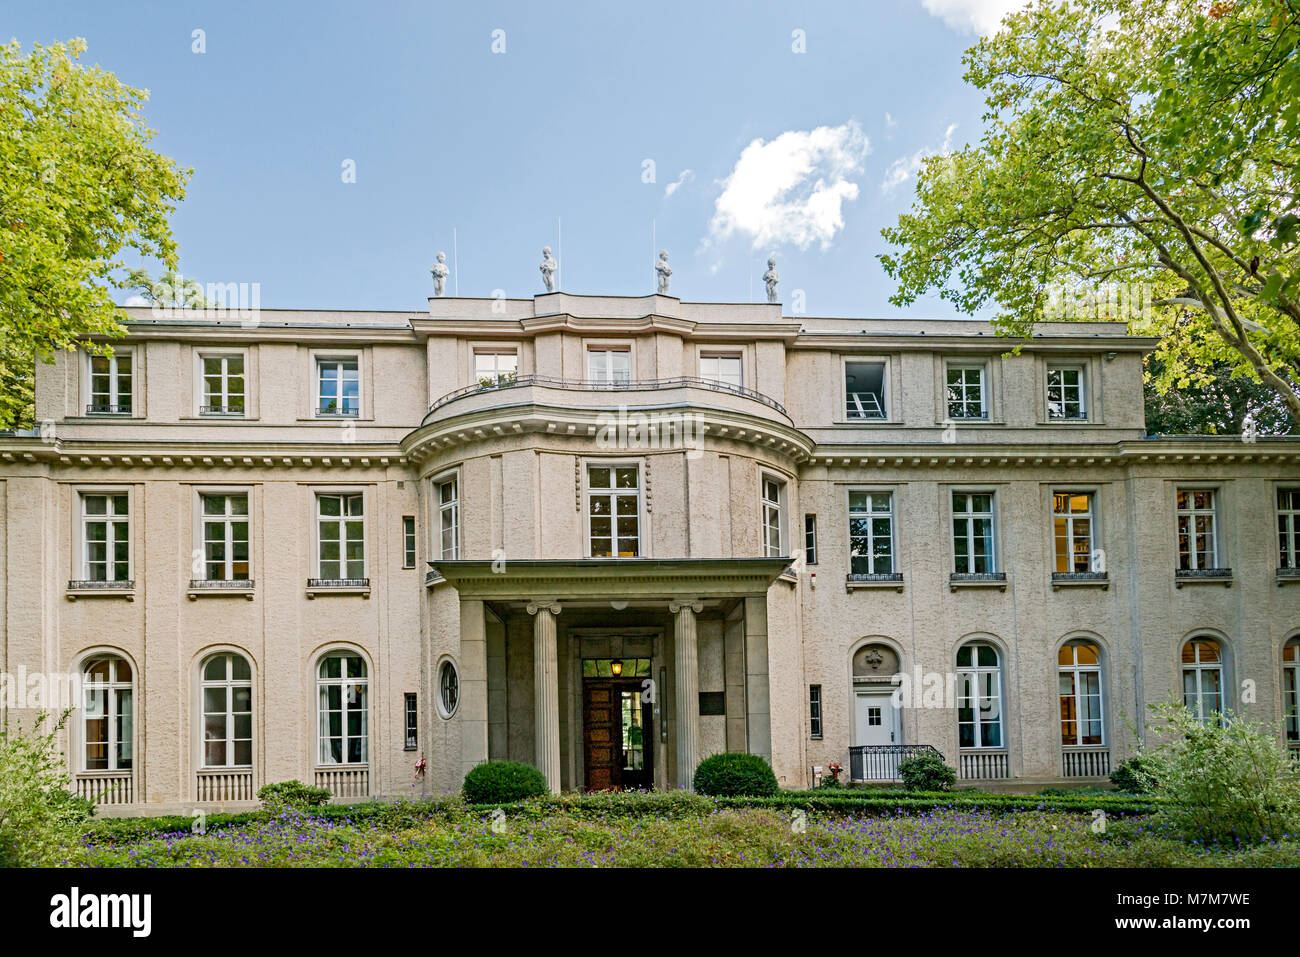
(686, 693)
(546, 692)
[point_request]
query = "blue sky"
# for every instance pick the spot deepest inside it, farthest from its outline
(798, 154)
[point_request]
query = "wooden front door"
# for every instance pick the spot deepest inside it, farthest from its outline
(617, 728)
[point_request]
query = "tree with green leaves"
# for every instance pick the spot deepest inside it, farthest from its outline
(80, 187)
(1149, 146)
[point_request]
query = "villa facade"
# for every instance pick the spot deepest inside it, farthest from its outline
(610, 536)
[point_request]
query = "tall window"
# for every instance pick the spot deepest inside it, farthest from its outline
(227, 691)
(110, 384)
(864, 390)
(965, 392)
(412, 722)
(810, 539)
(612, 366)
(721, 369)
(613, 511)
(773, 516)
(338, 387)
(225, 537)
(408, 541)
(108, 716)
(1066, 393)
(1072, 528)
(341, 526)
(1203, 677)
(1079, 678)
(972, 533)
(223, 385)
(105, 538)
(1288, 527)
(1291, 689)
(979, 696)
(871, 533)
(815, 710)
(342, 691)
(495, 367)
(1197, 541)
(448, 492)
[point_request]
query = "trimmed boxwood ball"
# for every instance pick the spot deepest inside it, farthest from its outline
(500, 782)
(735, 775)
(926, 772)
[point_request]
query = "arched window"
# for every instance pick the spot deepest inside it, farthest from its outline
(1079, 680)
(108, 686)
(979, 696)
(344, 712)
(226, 692)
(1291, 690)
(448, 689)
(1203, 677)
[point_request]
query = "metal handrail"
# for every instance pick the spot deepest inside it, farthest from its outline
(602, 385)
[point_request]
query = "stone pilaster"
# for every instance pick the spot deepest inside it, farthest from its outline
(546, 691)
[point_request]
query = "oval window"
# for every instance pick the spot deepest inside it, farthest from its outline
(448, 689)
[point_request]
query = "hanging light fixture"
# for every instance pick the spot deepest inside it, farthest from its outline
(616, 666)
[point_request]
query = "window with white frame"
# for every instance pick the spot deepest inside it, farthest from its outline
(1072, 531)
(723, 369)
(105, 537)
(108, 714)
(773, 516)
(447, 497)
(110, 384)
(1203, 678)
(871, 533)
(864, 389)
(1288, 527)
(964, 391)
(1197, 529)
(609, 366)
(1067, 394)
(408, 541)
(341, 536)
(495, 366)
(224, 522)
(1291, 690)
(614, 511)
(223, 384)
(973, 546)
(1079, 685)
(979, 696)
(226, 688)
(342, 690)
(338, 386)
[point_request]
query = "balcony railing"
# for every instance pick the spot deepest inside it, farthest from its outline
(122, 584)
(1183, 576)
(879, 762)
(984, 765)
(106, 787)
(338, 582)
(1085, 762)
(221, 410)
(603, 385)
(345, 782)
(104, 409)
(221, 584)
(234, 784)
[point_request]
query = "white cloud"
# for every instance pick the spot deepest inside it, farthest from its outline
(906, 167)
(791, 190)
(973, 16)
(685, 176)
(136, 301)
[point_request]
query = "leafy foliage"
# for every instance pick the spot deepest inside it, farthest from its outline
(732, 775)
(1146, 143)
(1211, 400)
(40, 818)
(1134, 776)
(501, 782)
(80, 186)
(926, 772)
(291, 794)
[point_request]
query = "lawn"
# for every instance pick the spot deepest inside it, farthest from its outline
(667, 834)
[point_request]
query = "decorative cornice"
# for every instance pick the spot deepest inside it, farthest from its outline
(76, 453)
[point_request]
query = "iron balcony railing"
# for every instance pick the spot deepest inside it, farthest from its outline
(338, 582)
(221, 410)
(879, 762)
(217, 584)
(103, 409)
(602, 385)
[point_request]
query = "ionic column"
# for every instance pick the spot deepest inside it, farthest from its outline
(686, 694)
(546, 692)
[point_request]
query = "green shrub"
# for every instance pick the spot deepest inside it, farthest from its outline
(503, 782)
(1134, 776)
(926, 772)
(40, 818)
(1222, 781)
(284, 795)
(735, 775)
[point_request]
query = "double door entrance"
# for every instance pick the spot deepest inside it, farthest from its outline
(618, 734)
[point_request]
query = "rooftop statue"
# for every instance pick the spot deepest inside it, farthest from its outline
(439, 272)
(664, 272)
(548, 269)
(771, 279)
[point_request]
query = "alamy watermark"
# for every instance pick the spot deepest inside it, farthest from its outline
(1107, 300)
(651, 430)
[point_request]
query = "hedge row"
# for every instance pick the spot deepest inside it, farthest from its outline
(675, 803)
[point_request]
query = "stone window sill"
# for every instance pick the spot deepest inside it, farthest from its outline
(215, 588)
(893, 580)
(996, 580)
(1204, 576)
(1080, 580)
(86, 589)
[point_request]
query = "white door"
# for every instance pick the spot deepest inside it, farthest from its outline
(877, 719)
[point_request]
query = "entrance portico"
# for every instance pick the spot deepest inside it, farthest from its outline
(536, 636)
